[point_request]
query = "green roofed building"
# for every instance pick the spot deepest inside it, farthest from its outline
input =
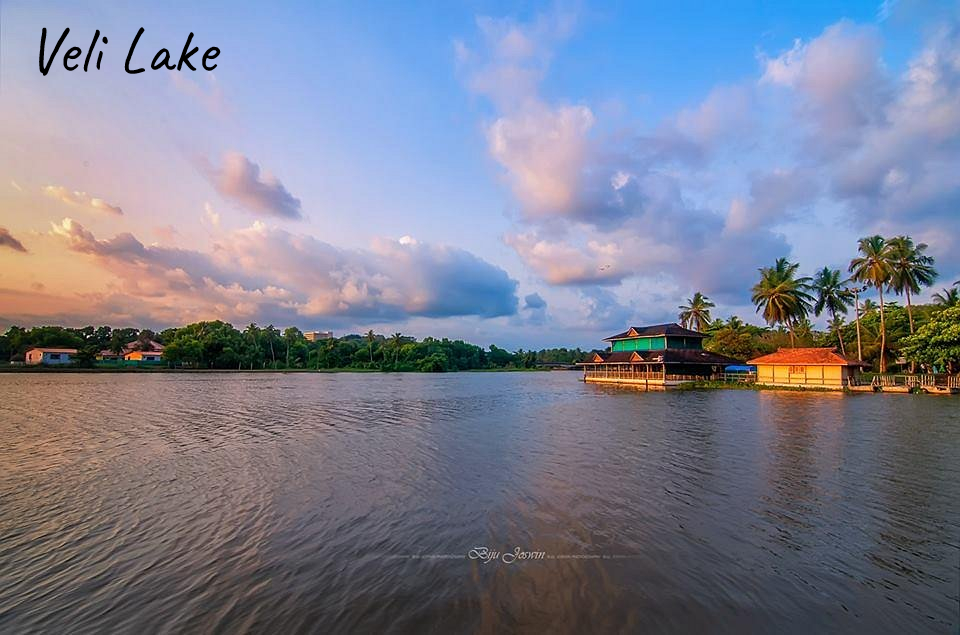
(657, 356)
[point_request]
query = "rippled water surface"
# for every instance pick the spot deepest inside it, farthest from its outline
(347, 503)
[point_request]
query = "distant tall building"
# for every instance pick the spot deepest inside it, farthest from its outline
(313, 336)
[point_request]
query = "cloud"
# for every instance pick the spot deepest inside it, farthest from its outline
(600, 208)
(563, 262)
(210, 216)
(7, 240)
(81, 199)
(907, 162)
(724, 115)
(774, 197)
(543, 150)
(602, 309)
(688, 202)
(887, 147)
(207, 92)
(239, 179)
(534, 301)
(512, 57)
(264, 273)
(166, 233)
(840, 79)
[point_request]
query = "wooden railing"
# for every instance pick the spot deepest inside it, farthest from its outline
(909, 381)
(626, 373)
(621, 373)
(743, 378)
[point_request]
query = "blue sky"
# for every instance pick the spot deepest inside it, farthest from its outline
(429, 168)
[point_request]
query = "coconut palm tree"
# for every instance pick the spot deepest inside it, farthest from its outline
(856, 291)
(781, 296)
(696, 313)
(397, 340)
(833, 297)
(370, 338)
(874, 267)
(947, 298)
(911, 269)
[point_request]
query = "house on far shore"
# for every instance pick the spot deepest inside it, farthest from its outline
(316, 336)
(807, 368)
(655, 356)
(49, 356)
(143, 356)
(137, 352)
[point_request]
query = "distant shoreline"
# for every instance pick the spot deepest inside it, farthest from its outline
(144, 370)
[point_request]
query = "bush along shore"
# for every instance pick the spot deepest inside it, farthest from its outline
(217, 345)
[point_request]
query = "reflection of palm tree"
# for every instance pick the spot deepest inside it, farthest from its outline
(696, 312)
(781, 296)
(832, 297)
(947, 298)
(874, 267)
(911, 269)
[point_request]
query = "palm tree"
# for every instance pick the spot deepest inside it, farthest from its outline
(874, 267)
(911, 269)
(397, 340)
(832, 296)
(947, 298)
(370, 338)
(696, 312)
(734, 323)
(856, 291)
(782, 296)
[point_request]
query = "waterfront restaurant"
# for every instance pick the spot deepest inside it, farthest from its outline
(807, 368)
(655, 356)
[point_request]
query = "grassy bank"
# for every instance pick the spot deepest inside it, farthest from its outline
(731, 385)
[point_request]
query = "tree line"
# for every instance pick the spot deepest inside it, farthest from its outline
(925, 334)
(218, 345)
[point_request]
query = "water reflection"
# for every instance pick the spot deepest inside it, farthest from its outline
(319, 503)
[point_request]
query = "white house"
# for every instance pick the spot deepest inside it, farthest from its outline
(49, 356)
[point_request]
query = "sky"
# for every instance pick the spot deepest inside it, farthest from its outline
(524, 174)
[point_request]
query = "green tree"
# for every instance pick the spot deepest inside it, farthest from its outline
(911, 269)
(397, 341)
(696, 312)
(874, 267)
(937, 343)
(781, 296)
(947, 298)
(831, 296)
(292, 337)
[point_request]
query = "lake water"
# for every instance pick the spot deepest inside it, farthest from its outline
(351, 503)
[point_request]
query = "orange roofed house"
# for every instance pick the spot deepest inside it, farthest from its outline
(807, 367)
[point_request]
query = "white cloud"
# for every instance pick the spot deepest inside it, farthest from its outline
(81, 199)
(544, 151)
(240, 180)
(210, 216)
(265, 273)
